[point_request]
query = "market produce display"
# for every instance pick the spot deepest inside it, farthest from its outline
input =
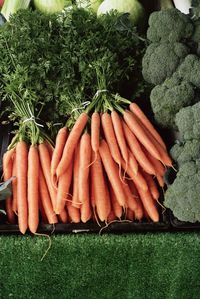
(82, 148)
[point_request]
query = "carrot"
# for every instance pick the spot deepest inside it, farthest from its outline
(149, 204)
(112, 172)
(50, 148)
(143, 118)
(7, 172)
(141, 134)
(130, 215)
(111, 217)
(95, 131)
(73, 212)
(165, 158)
(160, 180)
(132, 162)
(85, 208)
(75, 193)
(152, 186)
(117, 209)
(84, 170)
(137, 151)
(138, 179)
(45, 161)
(33, 188)
(61, 139)
(21, 172)
(101, 199)
(46, 199)
(139, 212)
(14, 185)
(43, 216)
(131, 202)
(111, 138)
(64, 183)
(119, 132)
(158, 166)
(71, 143)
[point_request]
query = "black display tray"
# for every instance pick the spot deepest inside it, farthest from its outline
(182, 225)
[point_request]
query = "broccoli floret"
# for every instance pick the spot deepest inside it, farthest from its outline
(167, 99)
(188, 122)
(182, 196)
(161, 61)
(185, 152)
(169, 25)
(189, 69)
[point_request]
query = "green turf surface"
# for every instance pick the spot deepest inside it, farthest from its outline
(130, 266)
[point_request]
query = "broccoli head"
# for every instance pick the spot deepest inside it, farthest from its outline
(160, 61)
(189, 69)
(169, 25)
(168, 98)
(185, 152)
(188, 122)
(182, 196)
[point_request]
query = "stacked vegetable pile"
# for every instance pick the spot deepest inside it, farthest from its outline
(75, 67)
(172, 63)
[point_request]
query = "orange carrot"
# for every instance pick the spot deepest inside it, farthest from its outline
(112, 172)
(45, 161)
(46, 200)
(61, 139)
(149, 204)
(101, 199)
(137, 178)
(21, 171)
(141, 134)
(43, 216)
(117, 209)
(131, 202)
(84, 169)
(152, 186)
(130, 215)
(111, 217)
(139, 212)
(119, 132)
(33, 188)
(75, 193)
(14, 185)
(71, 143)
(132, 162)
(160, 180)
(143, 118)
(64, 183)
(86, 212)
(158, 166)
(164, 157)
(95, 131)
(7, 172)
(50, 148)
(111, 138)
(73, 212)
(137, 151)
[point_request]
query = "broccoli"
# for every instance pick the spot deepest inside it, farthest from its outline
(188, 122)
(168, 98)
(169, 25)
(185, 151)
(182, 196)
(161, 61)
(189, 69)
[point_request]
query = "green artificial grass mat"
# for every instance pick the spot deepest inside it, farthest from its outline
(159, 265)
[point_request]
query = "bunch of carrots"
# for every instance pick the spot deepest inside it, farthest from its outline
(107, 166)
